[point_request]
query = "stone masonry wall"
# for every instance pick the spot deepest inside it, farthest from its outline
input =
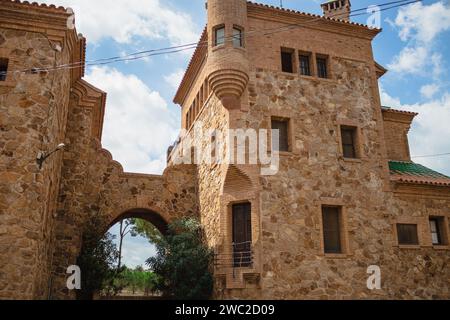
(210, 176)
(314, 174)
(94, 184)
(33, 110)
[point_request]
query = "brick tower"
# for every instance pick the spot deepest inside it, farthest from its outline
(227, 61)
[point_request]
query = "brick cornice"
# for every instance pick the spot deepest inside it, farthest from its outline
(400, 116)
(32, 17)
(422, 190)
(380, 70)
(33, 5)
(90, 97)
(311, 21)
(197, 60)
(47, 20)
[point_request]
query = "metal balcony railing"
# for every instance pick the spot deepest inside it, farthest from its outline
(241, 256)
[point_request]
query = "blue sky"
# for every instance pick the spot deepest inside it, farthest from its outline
(141, 120)
(135, 250)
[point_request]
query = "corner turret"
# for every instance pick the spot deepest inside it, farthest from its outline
(227, 56)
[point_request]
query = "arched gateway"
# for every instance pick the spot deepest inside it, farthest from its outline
(149, 215)
(98, 187)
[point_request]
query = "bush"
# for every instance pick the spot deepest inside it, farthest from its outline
(183, 261)
(97, 260)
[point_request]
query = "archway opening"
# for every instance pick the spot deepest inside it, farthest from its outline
(144, 214)
(134, 234)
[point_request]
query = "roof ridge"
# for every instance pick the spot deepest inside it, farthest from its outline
(308, 14)
(198, 47)
(36, 5)
(391, 109)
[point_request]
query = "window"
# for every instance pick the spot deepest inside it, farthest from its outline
(219, 36)
(322, 67)
(282, 125)
(202, 95)
(3, 68)
(242, 235)
(195, 107)
(237, 38)
(348, 137)
(287, 63)
(438, 231)
(304, 65)
(407, 234)
(192, 117)
(436, 237)
(331, 219)
(188, 119)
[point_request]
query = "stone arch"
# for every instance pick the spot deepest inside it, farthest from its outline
(152, 216)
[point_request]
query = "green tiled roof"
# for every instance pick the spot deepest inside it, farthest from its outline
(415, 170)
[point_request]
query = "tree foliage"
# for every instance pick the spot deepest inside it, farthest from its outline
(139, 280)
(147, 230)
(183, 261)
(97, 259)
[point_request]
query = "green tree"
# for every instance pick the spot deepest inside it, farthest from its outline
(147, 230)
(126, 226)
(97, 259)
(183, 261)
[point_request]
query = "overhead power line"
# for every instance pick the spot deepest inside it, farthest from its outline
(433, 155)
(174, 49)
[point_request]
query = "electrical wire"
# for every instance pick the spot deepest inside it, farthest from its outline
(190, 46)
(433, 155)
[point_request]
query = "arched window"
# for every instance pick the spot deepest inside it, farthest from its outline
(219, 35)
(238, 41)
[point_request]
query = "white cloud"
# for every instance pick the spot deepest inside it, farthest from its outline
(437, 63)
(135, 250)
(387, 100)
(410, 60)
(422, 22)
(430, 132)
(174, 79)
(420, 25)
(123, 20)
(138, 125)
(429, 90)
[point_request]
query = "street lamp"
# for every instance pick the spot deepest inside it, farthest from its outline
(42, 156)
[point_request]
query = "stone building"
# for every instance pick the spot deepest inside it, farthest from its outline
(345, 194)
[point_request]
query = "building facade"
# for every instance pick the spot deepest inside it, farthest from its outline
(345, 194)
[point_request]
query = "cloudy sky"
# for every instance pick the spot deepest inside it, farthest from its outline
(141, 120)
(135, 250)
